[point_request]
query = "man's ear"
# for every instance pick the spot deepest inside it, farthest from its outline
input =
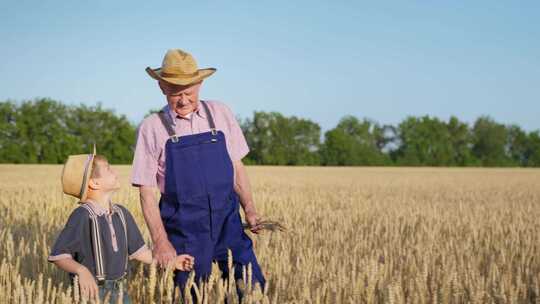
(93, 184)
(162, 87)
(165, 87)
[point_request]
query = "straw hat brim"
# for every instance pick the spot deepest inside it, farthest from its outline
(76, 174)
(199, 75)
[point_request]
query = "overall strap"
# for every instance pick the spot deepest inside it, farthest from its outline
(168, 126)
(123, 220)
(96, 242)
(210, 118)
(164, 120)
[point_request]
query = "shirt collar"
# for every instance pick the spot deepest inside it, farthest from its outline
(199, 111)
(98, 209)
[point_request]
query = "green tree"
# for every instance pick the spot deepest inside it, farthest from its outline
(461, 140)
(353, 143)
(424, 141)
(490, 142)
(278, 140)
(113, 134)
(46, 131)
(517, 145)
(42, 132)
(532, 152)
(10, 148)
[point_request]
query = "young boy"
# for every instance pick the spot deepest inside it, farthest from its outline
(100, 237)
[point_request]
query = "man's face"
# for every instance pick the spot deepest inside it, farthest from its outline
(182, 99)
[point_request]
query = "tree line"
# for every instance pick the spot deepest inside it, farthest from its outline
(47, 131)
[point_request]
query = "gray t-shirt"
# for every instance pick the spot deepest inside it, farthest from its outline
(75, 240)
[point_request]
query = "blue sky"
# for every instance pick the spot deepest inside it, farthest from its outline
(311, 59)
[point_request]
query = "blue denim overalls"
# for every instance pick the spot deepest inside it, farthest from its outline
(200, 209)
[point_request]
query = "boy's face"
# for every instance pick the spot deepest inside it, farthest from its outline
(107, 178)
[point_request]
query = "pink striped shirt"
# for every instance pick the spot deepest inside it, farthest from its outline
(149, 160)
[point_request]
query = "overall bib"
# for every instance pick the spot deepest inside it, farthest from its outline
(200, 209)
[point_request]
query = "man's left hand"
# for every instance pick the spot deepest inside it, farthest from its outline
(253, 219)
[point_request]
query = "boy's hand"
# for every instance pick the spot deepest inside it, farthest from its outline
(184, 262)
(87, 284)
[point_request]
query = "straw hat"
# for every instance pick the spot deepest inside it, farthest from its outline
(76, 174)
(179, 68)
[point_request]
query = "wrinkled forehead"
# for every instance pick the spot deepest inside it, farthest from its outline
(172, 89)
(176, 89)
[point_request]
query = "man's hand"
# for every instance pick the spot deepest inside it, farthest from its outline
(243, 189)
(253, 220)
(164, 253)
(87, 284)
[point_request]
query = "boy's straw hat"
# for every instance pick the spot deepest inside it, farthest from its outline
(179, 68)
(76, 174)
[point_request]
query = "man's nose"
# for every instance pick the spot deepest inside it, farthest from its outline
(183, 99)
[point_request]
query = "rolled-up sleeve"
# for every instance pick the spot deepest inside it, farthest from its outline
(236, 142)
(145, 160)
(68, 242)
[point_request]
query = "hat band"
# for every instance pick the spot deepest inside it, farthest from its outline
(86, 166)
(175, 75)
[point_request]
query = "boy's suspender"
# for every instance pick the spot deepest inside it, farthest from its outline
(96, 244)
(96, 241)
(123, 219)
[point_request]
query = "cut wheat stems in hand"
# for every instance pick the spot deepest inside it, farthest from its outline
(268, 225)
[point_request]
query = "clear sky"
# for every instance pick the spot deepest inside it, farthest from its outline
(311, 59)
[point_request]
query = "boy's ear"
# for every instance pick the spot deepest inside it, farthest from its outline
(93, 184)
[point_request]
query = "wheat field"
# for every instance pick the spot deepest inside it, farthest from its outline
(356, 235)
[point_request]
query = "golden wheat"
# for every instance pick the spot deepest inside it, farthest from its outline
(355, 235)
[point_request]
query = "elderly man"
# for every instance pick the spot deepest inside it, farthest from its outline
(192, 152)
